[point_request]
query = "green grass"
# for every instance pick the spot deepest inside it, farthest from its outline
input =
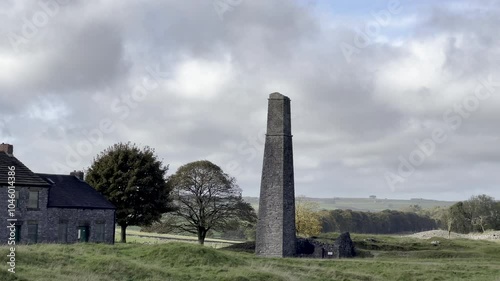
(134, 235)
(394, 258)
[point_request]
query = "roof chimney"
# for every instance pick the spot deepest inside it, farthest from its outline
(7, 148)
(78, 174)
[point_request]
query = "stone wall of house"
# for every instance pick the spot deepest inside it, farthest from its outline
(23, 214)
(74, 218)
(48, 219)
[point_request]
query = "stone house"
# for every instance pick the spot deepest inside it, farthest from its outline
(52, 208)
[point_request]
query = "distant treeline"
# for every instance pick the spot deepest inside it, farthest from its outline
(478, 214)
(385, 222)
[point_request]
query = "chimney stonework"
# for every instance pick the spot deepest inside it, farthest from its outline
(78, 174)
(7, 148)
(275, 236)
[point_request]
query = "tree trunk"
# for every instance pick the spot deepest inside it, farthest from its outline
(124, 234)
(482, 222)
(450, 224)
(202, 233)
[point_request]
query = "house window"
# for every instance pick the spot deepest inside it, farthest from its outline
(18, 233)
(17, 199)
(32, 232)
(33, 200)
(63, 232)
(99, 232)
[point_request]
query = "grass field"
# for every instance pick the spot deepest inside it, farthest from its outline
(393, 259)
(365, 204)
(134, 235)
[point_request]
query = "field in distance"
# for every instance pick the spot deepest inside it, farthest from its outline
(366, 204)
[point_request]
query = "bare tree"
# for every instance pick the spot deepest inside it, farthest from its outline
(207, 199)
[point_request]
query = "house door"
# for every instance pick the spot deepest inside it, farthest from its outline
(18, 233)
(83, 234)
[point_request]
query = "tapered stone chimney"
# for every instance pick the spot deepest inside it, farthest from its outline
(276, 224)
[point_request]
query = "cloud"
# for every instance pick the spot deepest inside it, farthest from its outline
(351, 120)
(200, 79)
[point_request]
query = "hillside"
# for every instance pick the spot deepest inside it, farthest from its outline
(393, 259)
(366, 204)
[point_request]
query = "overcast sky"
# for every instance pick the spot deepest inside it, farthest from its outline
(395, 99)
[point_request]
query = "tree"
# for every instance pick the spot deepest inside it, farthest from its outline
(207, 199)
(446, 220)
(439, 214)
(481, 211)
(417, 209)
(307, 217)
(164, 225)
(458, 219)
(387, 221)
(496, 216)
(134, 180)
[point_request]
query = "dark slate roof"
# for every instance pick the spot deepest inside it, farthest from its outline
(71, 192)
(24, 176)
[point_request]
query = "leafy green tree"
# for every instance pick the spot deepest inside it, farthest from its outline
(134, 180)
(439, 214)
(458, 219)
(328, 223)
(481, 212)
(387, 221)
(496, 216)
(207, 199)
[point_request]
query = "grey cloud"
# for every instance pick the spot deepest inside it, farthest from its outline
(340, 124)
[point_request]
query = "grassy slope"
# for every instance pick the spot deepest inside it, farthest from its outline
(366, 204)
(395, 259)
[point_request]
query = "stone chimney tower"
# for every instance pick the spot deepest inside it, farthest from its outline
(276, 224)
(7, 148)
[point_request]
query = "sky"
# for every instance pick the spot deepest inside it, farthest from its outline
(397, 99)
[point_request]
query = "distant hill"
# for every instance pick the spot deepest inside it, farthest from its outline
(366, 204)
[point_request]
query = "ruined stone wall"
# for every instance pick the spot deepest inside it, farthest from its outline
(342, 247)
(81, 217)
